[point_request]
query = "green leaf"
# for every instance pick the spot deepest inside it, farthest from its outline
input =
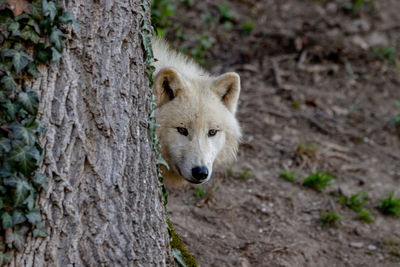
(21, 188)
(49, 9)
(4, 258)
(27, 135)
(5, 145)
(26, 158)
(40, 230)
(32, 70)
(29, 201)
(177, 254)
(19, 237)
(18, 217)
(21, 60)
(36, 10)
(68, 17)
(56, 56)
(5, 171)
(29, 101)
(6, 220)
(22, 16)
(11, 109)
(40, 180)
(34, 216)
(8, 52)
(1, 203)
(9, 83)
(13, 27)
(56, 37)
(33, 23)
(43, 53)
(29, 34)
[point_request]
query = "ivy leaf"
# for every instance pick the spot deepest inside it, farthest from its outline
(5, 171)
(29, 201)
(43, 53)
(34, 216)
(9, 83)
(176, 253)
(40, 230)
(33, 23)
(18, 217)
(26, 158)
(6, 220)
(13, 27)
(34, 124)
(49, 9)
(19, 237)
(11, 109)
(56, 56)
(68, 17)
(21, 188)
(56, 37)
(29, 101)
(4, 258)
(40, 180)
(1, 203)
(27, 135)
(32, 70)
(22, 16)
(5, 145)
(21, 60)
(36, 10)
(29, 34)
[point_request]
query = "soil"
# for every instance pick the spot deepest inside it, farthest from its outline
(314, 98)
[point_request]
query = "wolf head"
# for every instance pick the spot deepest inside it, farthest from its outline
(198, 129)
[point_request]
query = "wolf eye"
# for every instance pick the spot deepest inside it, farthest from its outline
(212, 132)
(182, 131)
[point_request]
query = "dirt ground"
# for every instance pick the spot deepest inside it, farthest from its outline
(314, 97)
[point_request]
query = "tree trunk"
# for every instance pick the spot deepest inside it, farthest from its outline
(103, 206)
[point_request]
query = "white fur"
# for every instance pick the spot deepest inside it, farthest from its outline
(189, 97)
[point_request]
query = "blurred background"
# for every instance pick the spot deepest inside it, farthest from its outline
(317, 181)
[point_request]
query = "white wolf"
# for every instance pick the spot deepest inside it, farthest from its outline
(196, 113)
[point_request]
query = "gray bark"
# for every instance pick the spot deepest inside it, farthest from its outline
(103, 205)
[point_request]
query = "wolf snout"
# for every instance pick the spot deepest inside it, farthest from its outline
(200, 173)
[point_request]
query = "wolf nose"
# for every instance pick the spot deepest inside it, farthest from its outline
(200, 173)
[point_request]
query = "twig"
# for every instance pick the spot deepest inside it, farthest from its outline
(277, 73)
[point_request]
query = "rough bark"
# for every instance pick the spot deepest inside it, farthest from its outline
(103, 204)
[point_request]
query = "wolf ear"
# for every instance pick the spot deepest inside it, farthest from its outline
(227, 87)
(167, 84)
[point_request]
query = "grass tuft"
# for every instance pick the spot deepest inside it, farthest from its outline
(390, 205)
(199, 192)
(365, 216)
(330, 218)
(354, 202)
(245, 175)
(318, 180)
(288, 175)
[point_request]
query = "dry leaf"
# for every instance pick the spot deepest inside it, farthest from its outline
(18, 6)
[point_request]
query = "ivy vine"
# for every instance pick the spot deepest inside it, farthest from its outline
(30, 34)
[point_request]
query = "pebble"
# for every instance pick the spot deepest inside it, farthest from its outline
(371, 247)
(357, 244)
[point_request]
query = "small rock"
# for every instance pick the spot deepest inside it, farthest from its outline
(377, 39)
(276, 138)
(331, 8)
(371, 247)
(360, 42)
(244, 263)
(357, 244)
